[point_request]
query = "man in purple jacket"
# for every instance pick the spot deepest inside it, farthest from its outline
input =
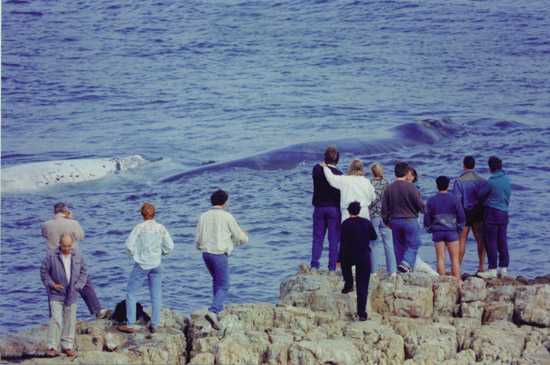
(63, 273)
(326, 212)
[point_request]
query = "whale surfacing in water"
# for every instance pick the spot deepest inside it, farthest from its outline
(38, 175)
(426, 131)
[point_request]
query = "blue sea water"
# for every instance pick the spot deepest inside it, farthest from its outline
(187, 82)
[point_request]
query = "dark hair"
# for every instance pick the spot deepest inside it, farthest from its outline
(442, 183)
(495, 163)
(401, 169)
(219, 197)
(59, 208)
(332, 155)
(354, 208)
(414, 174)
(469, 162)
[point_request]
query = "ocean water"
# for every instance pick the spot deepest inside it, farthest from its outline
(184, 83)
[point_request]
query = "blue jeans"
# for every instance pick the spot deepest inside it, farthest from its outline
(218, 266)
(385, 237)
(496, 240)
(406, 240)
(326, 218)
(137, 277)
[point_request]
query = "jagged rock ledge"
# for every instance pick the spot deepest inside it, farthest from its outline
(413, 319)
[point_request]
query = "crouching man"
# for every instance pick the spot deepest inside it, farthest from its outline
(63, 273)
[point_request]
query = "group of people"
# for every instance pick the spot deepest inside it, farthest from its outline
(63, 271)
(354, 212)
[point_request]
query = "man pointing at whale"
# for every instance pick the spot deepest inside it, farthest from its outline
(52, 230)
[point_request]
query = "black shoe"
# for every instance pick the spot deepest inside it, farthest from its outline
(347, 290)
(403, 268)
(152, 329)
(363, 318)
(212, 318)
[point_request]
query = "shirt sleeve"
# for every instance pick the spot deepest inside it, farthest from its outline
(238, 236)
(82, 277)
(334, 180)
(167, 243)
(460, 216)
(131, 241)
(45, 273)
(198, 235)
(78, 231)
(384, 212)
(428, 217)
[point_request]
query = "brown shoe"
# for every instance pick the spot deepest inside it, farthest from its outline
(69, 352)
(124, 328)
(52, 353)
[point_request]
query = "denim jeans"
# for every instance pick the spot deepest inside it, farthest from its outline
(154, 280)
(218, 266)
(406, 240)
(385, 237)
(496, 240)
(326, 218)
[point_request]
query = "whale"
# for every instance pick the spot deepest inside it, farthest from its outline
(38, 175)
(424, 131)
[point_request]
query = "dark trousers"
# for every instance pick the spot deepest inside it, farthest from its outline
(326, 218)
(362, 277)
(496, 241)
(90, 298)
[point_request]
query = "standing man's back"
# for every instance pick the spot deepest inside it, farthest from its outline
(326, 211)
(62, 222)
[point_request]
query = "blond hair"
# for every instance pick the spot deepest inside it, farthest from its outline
(377, 169)
(356, 168)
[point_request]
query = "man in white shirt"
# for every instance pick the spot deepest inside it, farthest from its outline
(147, 243)
(217, 234)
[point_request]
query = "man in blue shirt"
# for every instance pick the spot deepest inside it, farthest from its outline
(497, 200)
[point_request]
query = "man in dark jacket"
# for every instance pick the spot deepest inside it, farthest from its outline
(497, 199)
(63, 273)
(357, 233)
(326, 212)
(467, 188)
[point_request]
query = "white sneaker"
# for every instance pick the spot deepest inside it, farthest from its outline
(489, 274)
(502, 272)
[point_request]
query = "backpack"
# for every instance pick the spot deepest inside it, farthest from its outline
(119, 315)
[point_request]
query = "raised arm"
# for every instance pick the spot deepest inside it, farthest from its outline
(334, 180)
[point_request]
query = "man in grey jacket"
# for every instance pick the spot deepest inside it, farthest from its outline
(63, 273)
(63, 222)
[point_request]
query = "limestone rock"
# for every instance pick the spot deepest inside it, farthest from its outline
(499, 342)
(532, 305)
(377, 343)
(472, 309)
(473, 289)
(32, 342)
(242, 349)
(446, 295)
(341, 351)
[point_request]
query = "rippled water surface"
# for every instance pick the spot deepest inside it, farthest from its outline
(187, 82)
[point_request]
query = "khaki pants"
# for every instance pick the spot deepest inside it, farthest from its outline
(62, 325)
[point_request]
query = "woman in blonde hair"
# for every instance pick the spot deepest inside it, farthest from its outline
(353, 187)
(382, 231)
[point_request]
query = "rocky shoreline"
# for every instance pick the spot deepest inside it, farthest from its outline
(413, 319)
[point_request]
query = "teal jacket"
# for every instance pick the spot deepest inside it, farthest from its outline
(497, 192)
